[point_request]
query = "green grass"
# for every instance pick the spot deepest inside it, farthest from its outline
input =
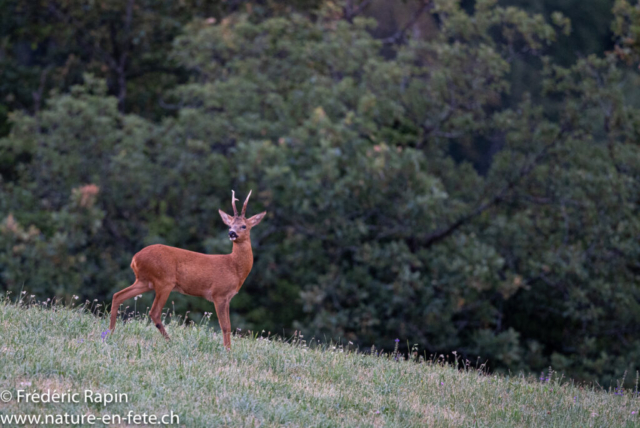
(268, 382)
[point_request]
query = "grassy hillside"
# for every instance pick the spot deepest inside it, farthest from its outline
(265, 382)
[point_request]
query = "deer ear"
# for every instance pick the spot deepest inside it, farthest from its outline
(253, 221)
(226, 218)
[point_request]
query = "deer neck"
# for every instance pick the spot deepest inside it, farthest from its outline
(242, 258)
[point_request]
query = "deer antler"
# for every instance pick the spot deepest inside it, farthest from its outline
(244, 207)
(233, 203)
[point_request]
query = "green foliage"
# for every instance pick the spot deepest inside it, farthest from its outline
(50, 44)
(375, 230)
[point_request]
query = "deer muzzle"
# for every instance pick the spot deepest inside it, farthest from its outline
(233, 235)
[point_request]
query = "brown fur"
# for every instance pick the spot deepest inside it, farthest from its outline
(216, 278)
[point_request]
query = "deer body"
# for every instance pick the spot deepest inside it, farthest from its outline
(195, 274)
(216, 278)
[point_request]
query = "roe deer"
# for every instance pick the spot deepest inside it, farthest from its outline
(216, 278)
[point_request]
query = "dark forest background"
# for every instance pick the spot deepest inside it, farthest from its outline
(458, 175)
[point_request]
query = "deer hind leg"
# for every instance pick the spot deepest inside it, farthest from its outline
(222, 310)
(156, 309)
(136, 288)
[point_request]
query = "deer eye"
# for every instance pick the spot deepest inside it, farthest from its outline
(244, 227)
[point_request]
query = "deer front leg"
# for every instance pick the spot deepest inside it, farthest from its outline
(222, 310)
(156, 309)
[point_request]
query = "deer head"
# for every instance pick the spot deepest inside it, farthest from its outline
(239, 226)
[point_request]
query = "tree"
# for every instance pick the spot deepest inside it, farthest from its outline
(50, 44)
(375, 229)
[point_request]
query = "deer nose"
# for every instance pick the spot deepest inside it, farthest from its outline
(232, 234)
